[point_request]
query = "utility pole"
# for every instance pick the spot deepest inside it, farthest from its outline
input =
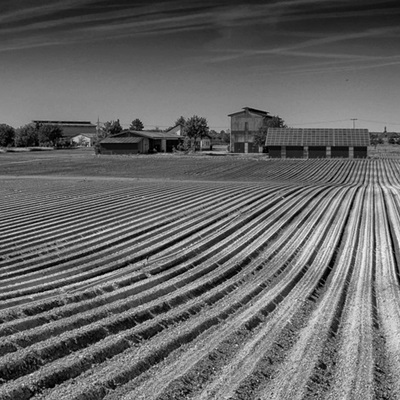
(354, 122)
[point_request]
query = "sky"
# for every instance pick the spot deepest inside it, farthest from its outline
(314, 63)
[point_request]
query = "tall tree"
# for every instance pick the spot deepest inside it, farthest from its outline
(196, 128)
(224, 137)
(261, 135)
(7, 135)
(111, 128)
(27, 136)
(180, 121)
(136, 125)
(49, 135)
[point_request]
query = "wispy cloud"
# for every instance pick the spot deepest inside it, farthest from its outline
(69, 21)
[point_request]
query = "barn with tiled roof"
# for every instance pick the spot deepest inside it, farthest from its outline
(317, 143)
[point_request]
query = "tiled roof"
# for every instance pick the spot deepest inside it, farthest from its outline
(113, 139)
(65, 123)
(317, 137)
(149, 135)
(253, 111)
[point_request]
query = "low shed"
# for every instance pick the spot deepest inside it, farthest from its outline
(317, 143)
(134, 142)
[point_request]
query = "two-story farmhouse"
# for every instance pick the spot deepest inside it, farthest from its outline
(244, 124)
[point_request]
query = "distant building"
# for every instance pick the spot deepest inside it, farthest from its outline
(317, 143)
(134, 142)
(84, 139)
(177, 130)
(71, 129)
(244, 124)
(204, 143)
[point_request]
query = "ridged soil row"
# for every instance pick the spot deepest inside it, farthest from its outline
(317, 350)
(387, 288)
(354, 369)
(294, 350)
(135, 202)
(148, 244)
(23, 193)
(351, 175)
(389, 173)
(392, 174)
(175, 204)
(383, 378)
(50, 215)
(291, 171)
(46, 199)
(248, 319)
(396, 171)
(233, 224)
(335, 172)
(43, 332)
(87, 302)
(144, 223)
(202, 324)
(323, 172)
(260, 359)
(222, 170)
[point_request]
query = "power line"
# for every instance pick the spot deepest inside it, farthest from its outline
(380, 122)
(319, 122)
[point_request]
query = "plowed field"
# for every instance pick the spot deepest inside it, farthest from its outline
(198, 278)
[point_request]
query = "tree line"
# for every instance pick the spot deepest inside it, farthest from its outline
(30, 135)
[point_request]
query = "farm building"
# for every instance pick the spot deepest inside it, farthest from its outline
(84, 139)
(71, 129)
(317, 143)
(244, 124)
(203, 144)
(134, 142)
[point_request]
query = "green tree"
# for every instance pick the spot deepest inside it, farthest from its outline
(180, 121)
(394, 138)
(136, 125)
(196, 128)
(261, 135)
(7, 135)
(111, 128)
(49, 134)
(375, 139)
(225, 137)
(27, 136)
(213, 134)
